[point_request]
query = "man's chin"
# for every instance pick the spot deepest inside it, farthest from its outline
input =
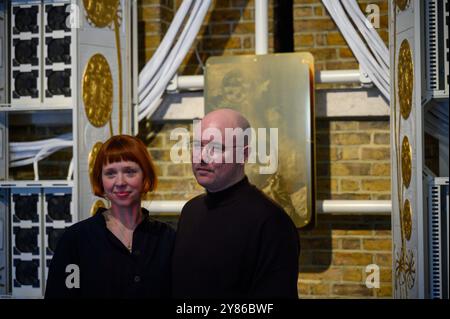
(204, 181)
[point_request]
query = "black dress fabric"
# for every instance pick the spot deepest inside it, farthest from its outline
(107, 269)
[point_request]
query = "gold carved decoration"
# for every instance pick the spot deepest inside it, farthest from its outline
(101, 13)
(119, 64)
(99, 203)
(405, 270)
(98, 90)
(407, 219)
(406, 162)
(405, 79)
(402, 4)
(91, 159)
(404, 260)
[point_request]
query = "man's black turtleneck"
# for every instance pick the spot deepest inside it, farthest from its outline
(235, 243)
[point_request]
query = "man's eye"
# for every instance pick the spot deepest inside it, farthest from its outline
(217, 147)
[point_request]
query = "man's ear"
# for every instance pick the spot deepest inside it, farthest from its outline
(247, 150)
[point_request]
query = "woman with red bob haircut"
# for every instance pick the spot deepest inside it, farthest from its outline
(120, 252)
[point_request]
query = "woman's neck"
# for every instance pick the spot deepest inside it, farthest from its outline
(129, 216)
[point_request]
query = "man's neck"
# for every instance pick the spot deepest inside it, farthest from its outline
(231, 184)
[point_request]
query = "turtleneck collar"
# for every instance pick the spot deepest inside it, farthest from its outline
(228, 194)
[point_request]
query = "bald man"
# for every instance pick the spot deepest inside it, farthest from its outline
(233, 241)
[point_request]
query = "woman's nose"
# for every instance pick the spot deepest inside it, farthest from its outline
(120, 180)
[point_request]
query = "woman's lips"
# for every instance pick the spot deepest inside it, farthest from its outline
(122, 194)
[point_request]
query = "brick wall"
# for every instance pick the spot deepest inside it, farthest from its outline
(315, 31)
(352, 156)
(229, 29)
(154, 18)
(353, 162)
(335, 254)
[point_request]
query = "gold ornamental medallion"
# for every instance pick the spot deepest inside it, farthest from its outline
(406, 162)
(405, 79)
(101, 12)
(407, 219)
(98, 90)
(91, 159)
(98, 203)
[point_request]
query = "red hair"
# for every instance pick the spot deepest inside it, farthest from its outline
(123, 148)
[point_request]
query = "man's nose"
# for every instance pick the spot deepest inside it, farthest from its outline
(205, 155)
(204, 152)
(199, 154)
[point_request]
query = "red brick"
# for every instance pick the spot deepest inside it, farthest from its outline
(222, 43)
(344, 126)
(377, 244)
(225, 15)
(314, 25)
(220, 29)
(384, 291)
(353, 290)
(352, 244)
(380, 169)
(350, 185)
(335, 38)
(346, 53)
(301, 12)
(330, 274)
(320, 289)
(352, 259)
(376, 153)
(244, 28)
(349, 169)
(377, 185)
(382, 138)
(383, 260)
(304, 40)
(352, 274)
(303, 289)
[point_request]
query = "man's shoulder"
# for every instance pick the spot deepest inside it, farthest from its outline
(264, 202)
(268, 210)
(194, 202)
(161, 228)
(192, 207)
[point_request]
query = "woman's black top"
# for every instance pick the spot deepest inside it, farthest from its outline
(90, 262)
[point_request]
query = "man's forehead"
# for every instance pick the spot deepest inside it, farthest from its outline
(217, 123)
(230, 139)
(221, 129)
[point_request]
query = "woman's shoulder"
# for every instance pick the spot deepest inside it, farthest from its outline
(75, 235)
(83, 227)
